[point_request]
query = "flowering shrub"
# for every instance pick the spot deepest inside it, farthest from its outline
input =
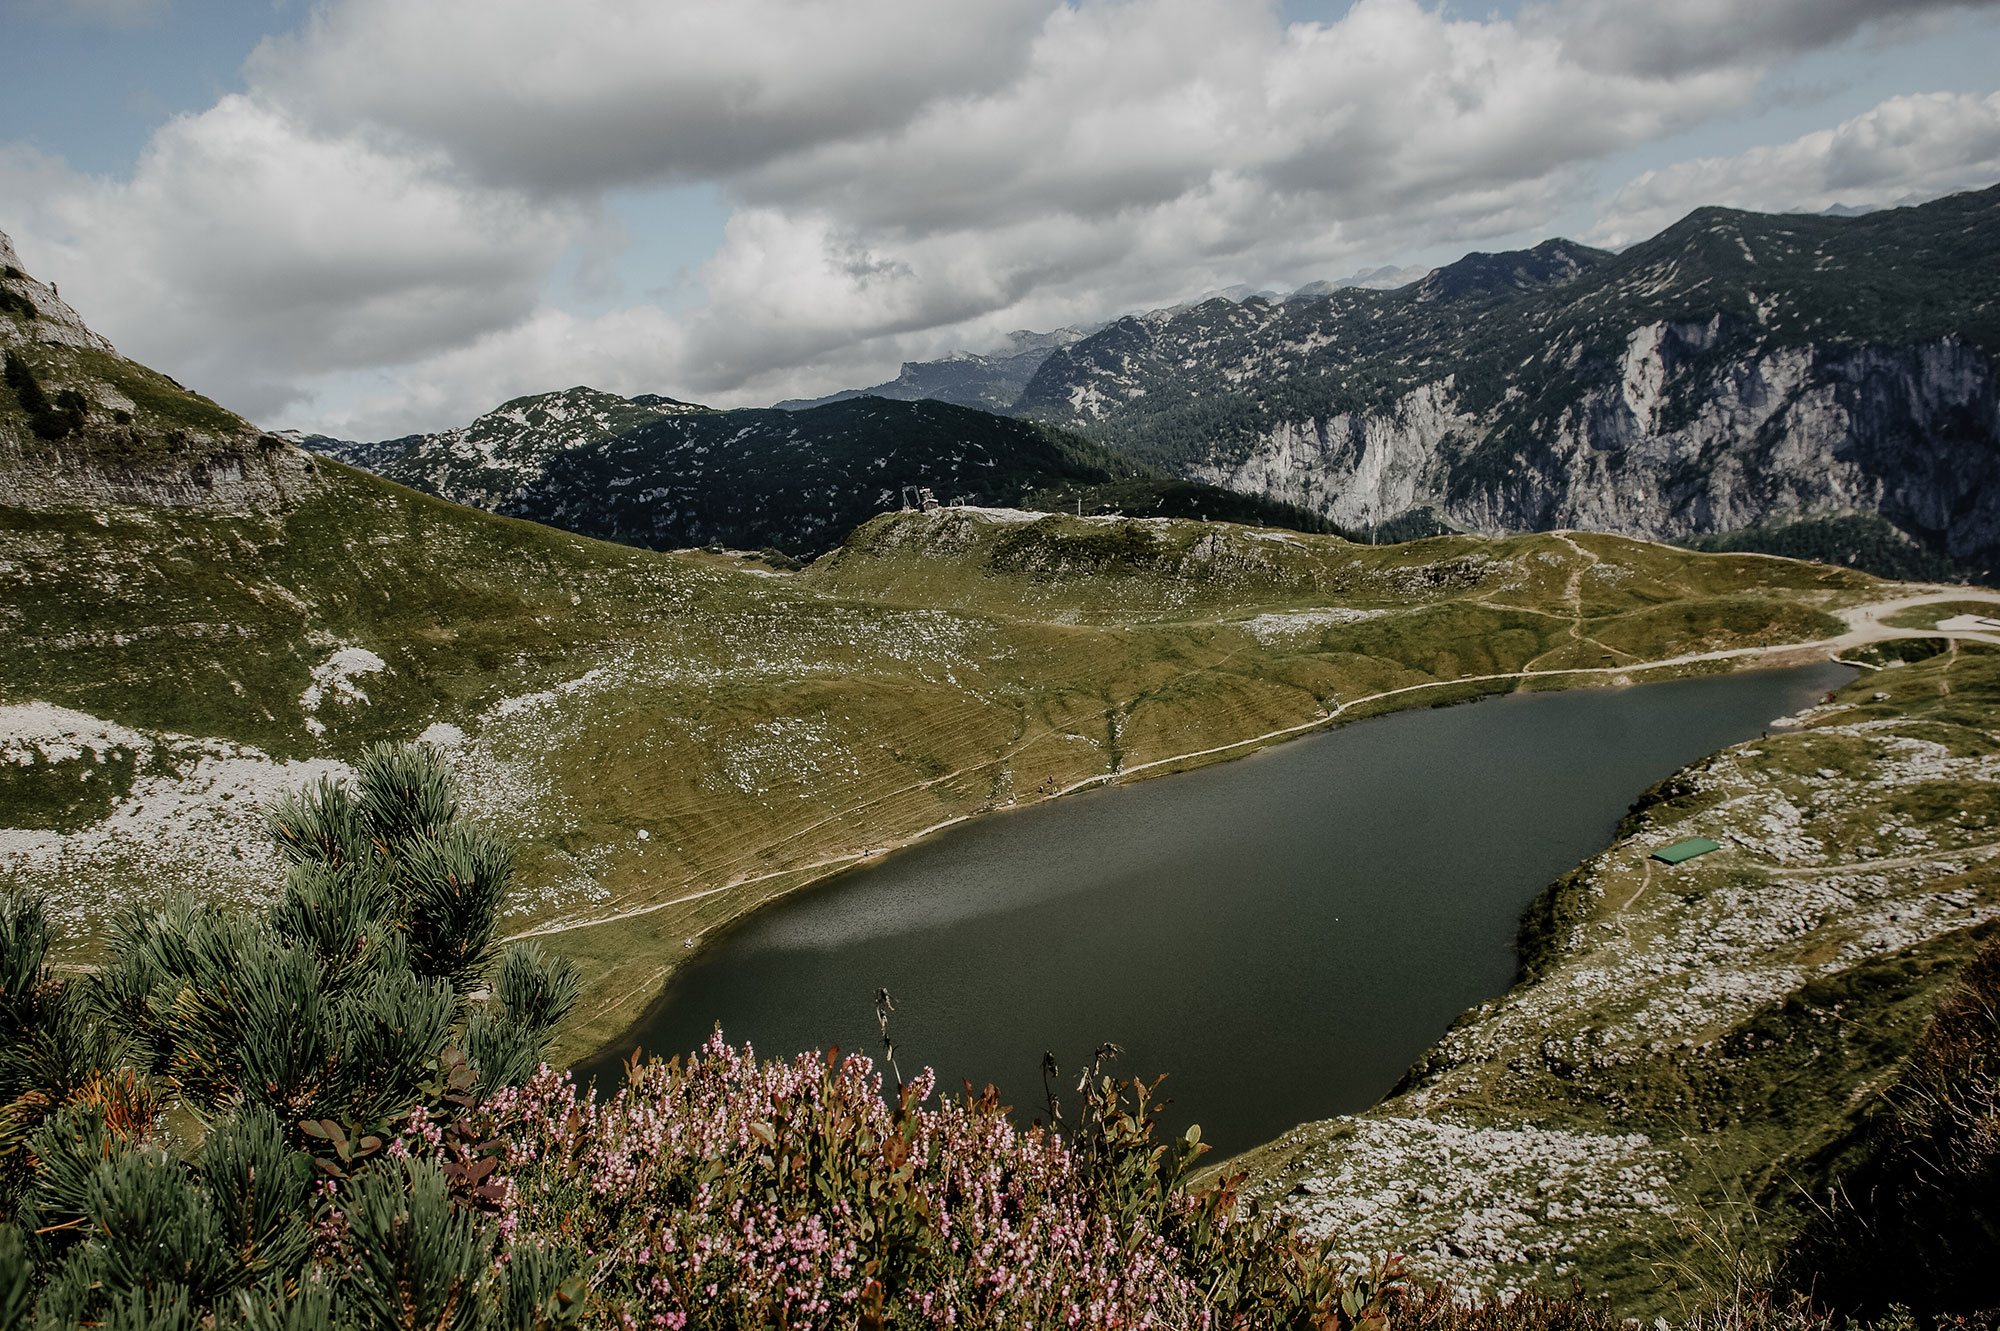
(731, 1192)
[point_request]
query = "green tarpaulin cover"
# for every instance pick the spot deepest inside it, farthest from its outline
(1686, 850)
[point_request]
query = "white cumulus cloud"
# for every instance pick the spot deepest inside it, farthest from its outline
(1903, 151)
(375, 235)
(248, 254)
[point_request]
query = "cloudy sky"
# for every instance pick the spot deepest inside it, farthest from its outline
(369, 217)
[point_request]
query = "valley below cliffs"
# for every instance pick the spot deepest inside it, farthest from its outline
(199, 616)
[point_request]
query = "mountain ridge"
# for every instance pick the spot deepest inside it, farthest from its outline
(993, 381)
(1735, 372)
(665, 474)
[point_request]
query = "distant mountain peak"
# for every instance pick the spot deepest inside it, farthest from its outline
(1549, 264)
(986, 382)
(490, 462)
(1385, 278)
(995, 381)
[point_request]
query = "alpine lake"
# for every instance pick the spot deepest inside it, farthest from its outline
(1282, 935)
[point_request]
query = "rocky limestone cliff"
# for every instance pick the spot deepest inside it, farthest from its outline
(1357, 468)
(228, 479)
(82, 426)
(1911, 433)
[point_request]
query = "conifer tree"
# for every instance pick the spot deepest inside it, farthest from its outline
(326, 1019)
(337, 1004)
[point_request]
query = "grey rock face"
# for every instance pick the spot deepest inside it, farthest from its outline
(1911, 433)
(234, 480)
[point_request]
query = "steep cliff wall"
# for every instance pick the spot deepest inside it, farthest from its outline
(1356, 468)
(1680, 443)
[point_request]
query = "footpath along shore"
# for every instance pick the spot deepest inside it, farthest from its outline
(1864, 623)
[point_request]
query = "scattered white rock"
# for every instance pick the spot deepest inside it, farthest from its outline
(333, 679)
(41, 731)
(1270, 629)
(194, 817)
(1464, 1201)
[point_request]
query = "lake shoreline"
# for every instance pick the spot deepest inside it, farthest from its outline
(1502, 929)
(1864, 627)
(1686, 1061)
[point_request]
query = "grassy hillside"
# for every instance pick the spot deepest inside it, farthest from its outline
(762, 729)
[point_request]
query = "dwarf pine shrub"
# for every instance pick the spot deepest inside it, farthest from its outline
(49, 420)
(335, 1059)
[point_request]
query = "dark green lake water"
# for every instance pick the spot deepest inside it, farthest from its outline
(1284, 935)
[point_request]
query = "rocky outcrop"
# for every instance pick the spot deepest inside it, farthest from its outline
(238, 476)
(1771, 435)
(81, 426)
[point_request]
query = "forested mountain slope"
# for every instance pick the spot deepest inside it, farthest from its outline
(654, 472)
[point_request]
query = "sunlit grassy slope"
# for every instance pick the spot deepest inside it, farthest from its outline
(761, 729)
